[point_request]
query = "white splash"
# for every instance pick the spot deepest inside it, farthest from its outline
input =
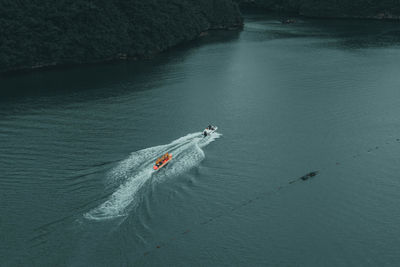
(132, 173)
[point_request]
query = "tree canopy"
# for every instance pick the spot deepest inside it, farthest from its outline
(37, 33)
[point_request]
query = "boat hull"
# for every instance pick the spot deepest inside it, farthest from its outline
(208, 131)
(165, 162)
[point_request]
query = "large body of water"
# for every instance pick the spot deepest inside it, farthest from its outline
(77, 146)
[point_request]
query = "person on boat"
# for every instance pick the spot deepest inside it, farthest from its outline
(205, 133)
(209, 127)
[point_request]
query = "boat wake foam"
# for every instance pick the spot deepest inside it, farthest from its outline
(134, 172)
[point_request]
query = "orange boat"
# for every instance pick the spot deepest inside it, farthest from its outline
(161, 162)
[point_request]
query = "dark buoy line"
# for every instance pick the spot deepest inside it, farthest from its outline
(305, 177)
(242, 204)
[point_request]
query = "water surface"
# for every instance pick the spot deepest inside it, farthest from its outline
(77, 146)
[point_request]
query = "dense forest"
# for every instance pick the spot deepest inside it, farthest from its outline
(378, 9)
(37, 33)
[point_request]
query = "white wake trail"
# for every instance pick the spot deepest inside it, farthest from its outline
(133, 173)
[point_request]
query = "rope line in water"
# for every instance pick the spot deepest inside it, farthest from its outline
(305, 178)
(237, 207)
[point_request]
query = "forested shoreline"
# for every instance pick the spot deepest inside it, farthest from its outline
(42, 33)
(35, 34)
(370, 9)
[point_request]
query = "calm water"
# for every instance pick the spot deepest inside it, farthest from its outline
(77, 146)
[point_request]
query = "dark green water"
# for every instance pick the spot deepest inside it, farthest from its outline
(77, 146)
